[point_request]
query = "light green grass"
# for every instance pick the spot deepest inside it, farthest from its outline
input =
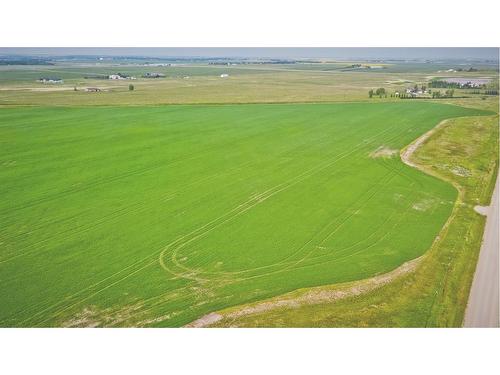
(158, 215)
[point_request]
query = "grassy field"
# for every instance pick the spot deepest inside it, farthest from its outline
(154, 216)
(463, 152)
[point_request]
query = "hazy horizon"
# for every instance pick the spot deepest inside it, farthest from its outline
(479, 53)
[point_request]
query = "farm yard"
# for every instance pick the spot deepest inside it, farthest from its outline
(156, 216)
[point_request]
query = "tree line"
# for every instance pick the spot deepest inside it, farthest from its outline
(379, 92)
(452, 85)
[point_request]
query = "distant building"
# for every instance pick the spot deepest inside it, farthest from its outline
(413, 92)
(120, 76)
(93, 89)
(224, 75)
(50, 80)
(153, 75)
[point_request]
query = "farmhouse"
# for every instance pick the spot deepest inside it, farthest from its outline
(224, 75)
(120, 76)
(50, 80)
(415, 91)
(412, 92)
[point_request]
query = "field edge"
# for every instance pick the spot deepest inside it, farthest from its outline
(335, 292)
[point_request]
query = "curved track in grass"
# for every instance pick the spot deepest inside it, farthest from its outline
(158, 215)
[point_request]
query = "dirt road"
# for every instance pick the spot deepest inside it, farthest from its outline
(483, 307)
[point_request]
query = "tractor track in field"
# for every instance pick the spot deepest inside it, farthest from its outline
(255, 200)
(321, 294)
(126, 211)
(150, 256)
(239, 210)
(288, 264)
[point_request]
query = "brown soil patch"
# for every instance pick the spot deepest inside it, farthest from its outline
(205, 321)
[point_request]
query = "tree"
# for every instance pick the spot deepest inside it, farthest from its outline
(380, 91)
(130, 87)
(370, 93)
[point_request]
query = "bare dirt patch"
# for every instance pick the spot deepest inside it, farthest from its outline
(205, 321)
(92, 316)
(88, 317)
(147, 322)
(460, 171)
(383, 152)
(482, 210)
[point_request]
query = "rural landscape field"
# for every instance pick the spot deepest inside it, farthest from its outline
(232, 192)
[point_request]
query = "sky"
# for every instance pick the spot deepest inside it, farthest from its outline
(338, 53)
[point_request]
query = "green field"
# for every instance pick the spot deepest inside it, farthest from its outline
(155, 216)
(436, 292)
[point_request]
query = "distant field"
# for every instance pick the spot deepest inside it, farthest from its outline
(154, 216)
(192, 83)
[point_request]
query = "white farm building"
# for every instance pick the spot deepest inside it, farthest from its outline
(50, 80)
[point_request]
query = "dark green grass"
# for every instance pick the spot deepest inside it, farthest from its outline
(120, 216)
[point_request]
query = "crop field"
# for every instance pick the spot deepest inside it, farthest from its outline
(155, 216)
